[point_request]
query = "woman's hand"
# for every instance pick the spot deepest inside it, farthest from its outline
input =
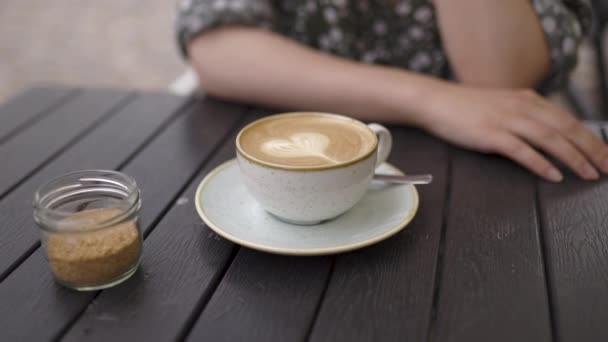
(513, 123)
(507, 122)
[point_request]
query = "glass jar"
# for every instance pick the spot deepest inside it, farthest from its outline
(90, 229)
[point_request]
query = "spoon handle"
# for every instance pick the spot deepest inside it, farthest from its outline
(407, 179)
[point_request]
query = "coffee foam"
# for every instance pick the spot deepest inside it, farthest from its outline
(307, 140)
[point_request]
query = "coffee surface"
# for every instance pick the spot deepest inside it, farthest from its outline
(307, 140)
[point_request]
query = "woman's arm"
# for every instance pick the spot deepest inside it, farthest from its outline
(497, 43)
(264, 68)
(261, 67)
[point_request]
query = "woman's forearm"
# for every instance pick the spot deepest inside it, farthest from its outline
(494, 42)
(263, 68)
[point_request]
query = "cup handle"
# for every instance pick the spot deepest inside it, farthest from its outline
(385, 142)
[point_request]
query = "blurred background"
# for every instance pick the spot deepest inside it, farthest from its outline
(118, 43)
(130, 44)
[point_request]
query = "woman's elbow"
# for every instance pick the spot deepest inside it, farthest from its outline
(210, 72)
(210, 81)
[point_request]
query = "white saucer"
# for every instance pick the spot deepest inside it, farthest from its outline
(226, 206)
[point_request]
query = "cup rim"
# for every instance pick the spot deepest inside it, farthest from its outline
(260, 162)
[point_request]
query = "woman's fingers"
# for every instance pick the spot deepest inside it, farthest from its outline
(591, 145)
(514, 123)
(552, 142)
(519, 151)
(578, 134)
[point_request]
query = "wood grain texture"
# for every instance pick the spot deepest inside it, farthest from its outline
(41, 142)
(29, 106)
(492, 286)
(29, 295)
(182, 262)
(264, 297)
(107, 147)
(169, 163)
(385, 292)
(32, 282)
(575, 217)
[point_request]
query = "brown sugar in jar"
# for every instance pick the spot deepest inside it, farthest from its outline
(95, 257)
(89, 225)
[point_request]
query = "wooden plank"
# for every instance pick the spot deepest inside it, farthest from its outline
(385, 292)
(171, 158)
(574, 215)
(492, 286)
(41, 142)
(182, 263)
(29, 106)
(264, 297)
(107, 147)
(184, 149)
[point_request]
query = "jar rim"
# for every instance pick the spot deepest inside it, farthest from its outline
(49, 219)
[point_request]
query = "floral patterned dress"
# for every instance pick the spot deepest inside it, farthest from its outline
(401, 33)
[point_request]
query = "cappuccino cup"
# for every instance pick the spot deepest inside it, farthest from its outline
(308, 167)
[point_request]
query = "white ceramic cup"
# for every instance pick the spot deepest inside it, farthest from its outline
(305, 195)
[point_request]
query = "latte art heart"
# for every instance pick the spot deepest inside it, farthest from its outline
(307, 140)
(305, 144)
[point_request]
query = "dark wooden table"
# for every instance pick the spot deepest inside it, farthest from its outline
(494, 254)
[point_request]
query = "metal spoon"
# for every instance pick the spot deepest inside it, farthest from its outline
(407, 179)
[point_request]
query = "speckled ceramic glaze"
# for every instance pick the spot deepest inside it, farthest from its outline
(310, 195)
(227, 207)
